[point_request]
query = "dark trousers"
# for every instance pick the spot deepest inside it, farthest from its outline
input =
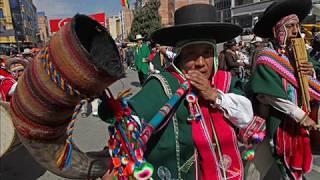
(142, 77)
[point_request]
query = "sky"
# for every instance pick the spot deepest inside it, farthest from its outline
(68, 8)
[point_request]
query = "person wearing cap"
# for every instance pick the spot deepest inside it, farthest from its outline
(16, 66)
(141, 54)
(7, 83)
(257, 45)
(27, 54)
(184, 147)
(276, 93)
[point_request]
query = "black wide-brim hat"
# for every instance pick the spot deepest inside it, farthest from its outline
(277, 10)
(196, 21)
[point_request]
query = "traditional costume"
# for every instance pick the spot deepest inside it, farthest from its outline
(275, 90)
(7, 84)
(189, 145)
(141, 54)
(16, 66)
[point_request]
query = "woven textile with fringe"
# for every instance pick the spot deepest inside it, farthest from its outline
(281, 65)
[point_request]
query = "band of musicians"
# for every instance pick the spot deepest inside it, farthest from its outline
(200, 114)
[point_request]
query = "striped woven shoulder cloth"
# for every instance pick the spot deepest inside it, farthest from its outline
(281, 64)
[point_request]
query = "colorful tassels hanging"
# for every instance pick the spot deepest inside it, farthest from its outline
(65, 158)
(129, 135)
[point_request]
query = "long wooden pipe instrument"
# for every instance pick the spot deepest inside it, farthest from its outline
(301, 56)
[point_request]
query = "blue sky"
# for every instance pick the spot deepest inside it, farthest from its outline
(68, 8)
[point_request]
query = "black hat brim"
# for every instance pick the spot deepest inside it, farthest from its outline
(278, 10)
(220, 32)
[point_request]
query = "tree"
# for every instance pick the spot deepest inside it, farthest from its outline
(146, 20)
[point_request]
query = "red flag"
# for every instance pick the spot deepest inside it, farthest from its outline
(56, 24)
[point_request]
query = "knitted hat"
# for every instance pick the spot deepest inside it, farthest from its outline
(14, 64)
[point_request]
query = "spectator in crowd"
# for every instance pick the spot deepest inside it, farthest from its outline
(222, 61)
(129, 57)
(7, 82)
(232, 59)
(157, 60)
(16, 66)
(315, 52)
(141, 54)
(257, 45)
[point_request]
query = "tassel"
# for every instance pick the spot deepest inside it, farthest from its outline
(65, 158)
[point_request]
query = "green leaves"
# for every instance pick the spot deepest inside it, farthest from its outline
(146, 20)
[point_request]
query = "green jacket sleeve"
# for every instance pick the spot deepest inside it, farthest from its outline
(147, 102)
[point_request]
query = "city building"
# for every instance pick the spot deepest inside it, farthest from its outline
(7, 35)
(25, 22)
(224, 10)
(114, 25)
(168, 7)
(246, 12)
(180, 3)
(166, 12)
(314, 17)
(43, 28)
(126, 21)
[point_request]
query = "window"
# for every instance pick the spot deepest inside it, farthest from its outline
(242, 2)
(1, 14)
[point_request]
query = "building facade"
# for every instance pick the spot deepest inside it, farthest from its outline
(25, 21)
(246, 12)
(224, 10)
(166, 12)
(114, 24)
(168, 7)
(7, 34)
(43, 28)
(180, 3)
(126, 21)
(314, 17)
